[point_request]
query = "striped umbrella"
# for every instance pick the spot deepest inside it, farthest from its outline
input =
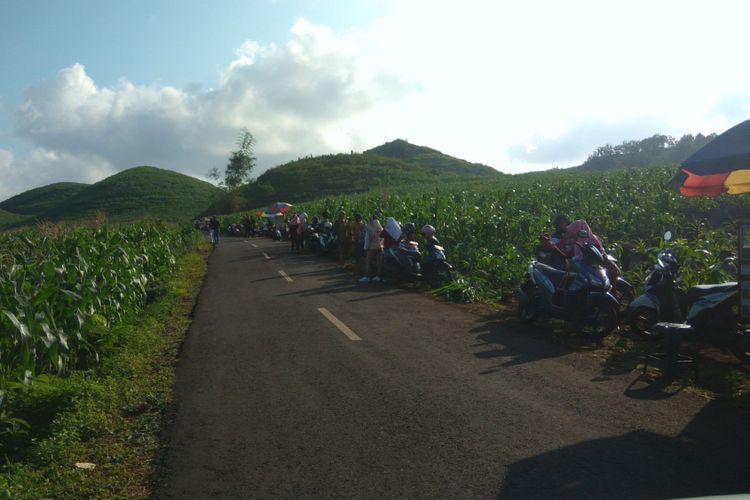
(721, 166)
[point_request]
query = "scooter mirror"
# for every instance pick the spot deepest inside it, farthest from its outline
(668, 236)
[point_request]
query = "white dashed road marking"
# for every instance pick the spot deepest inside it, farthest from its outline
(286, 276)
(338, 324)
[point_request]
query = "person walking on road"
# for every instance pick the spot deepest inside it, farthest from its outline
(213, 225)
(374, 249)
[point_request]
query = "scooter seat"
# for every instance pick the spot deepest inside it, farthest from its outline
(702, 290)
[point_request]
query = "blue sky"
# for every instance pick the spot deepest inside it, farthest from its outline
(89, 88)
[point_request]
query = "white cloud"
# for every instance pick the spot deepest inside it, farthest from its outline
(295, 99)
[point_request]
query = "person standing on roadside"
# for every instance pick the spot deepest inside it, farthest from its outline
(357, 232)
(294, 223)
(213, 225)
(373, 248)
(341, 230)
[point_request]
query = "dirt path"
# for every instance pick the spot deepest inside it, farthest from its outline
(387, 393)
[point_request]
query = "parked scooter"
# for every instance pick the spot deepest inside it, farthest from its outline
(402, 263)
(708, 309)
(580, 295)
(326, 242)
(622, 290)
(436, 270)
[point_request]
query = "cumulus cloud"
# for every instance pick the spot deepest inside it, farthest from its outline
(295, 98)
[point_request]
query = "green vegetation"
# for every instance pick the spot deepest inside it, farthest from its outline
(652, 151)
(109, 415)
(429, 158)
(140, 192)
(63, 291)
(8, 219)
(133, 194)
(43, 200)
(393, 164)
(491, 227)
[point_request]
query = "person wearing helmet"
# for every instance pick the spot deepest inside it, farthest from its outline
(429, 234)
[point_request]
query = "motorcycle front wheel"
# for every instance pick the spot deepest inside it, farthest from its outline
(600, 319)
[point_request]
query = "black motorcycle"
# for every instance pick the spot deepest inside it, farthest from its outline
(709, 310)
(580, 295)
(435, 268)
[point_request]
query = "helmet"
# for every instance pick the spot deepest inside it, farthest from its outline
(409, 228)
(668, 261)
(428, 230)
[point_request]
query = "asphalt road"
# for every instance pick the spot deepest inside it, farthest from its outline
(414, 398)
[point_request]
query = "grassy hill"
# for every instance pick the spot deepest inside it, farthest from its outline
(44, 199)
(392, 164)
(139, 192)
(430, 158)
(8, 219)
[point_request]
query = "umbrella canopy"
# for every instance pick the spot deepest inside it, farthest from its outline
(721, 166)
(279, 207)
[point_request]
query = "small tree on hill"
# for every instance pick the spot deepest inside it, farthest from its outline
(240, 165)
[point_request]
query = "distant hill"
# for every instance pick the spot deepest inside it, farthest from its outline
(140, 192)
(393, 163)
(652, 151)
(128, 195)
(42, 199)
(430, 158)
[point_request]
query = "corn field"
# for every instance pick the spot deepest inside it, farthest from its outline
(490, 229)
(62, 289)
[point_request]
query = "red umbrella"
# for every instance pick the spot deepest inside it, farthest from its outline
(721, 166)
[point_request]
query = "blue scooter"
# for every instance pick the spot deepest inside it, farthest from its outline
(580, 295)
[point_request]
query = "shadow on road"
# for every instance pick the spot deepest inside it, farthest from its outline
(709, 457)
(497, 341)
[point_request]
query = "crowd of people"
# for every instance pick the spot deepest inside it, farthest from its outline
(358, 239)
(364, 240)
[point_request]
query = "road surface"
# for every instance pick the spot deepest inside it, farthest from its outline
(297, 381)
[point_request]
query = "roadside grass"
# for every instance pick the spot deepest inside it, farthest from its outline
(110, 416)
